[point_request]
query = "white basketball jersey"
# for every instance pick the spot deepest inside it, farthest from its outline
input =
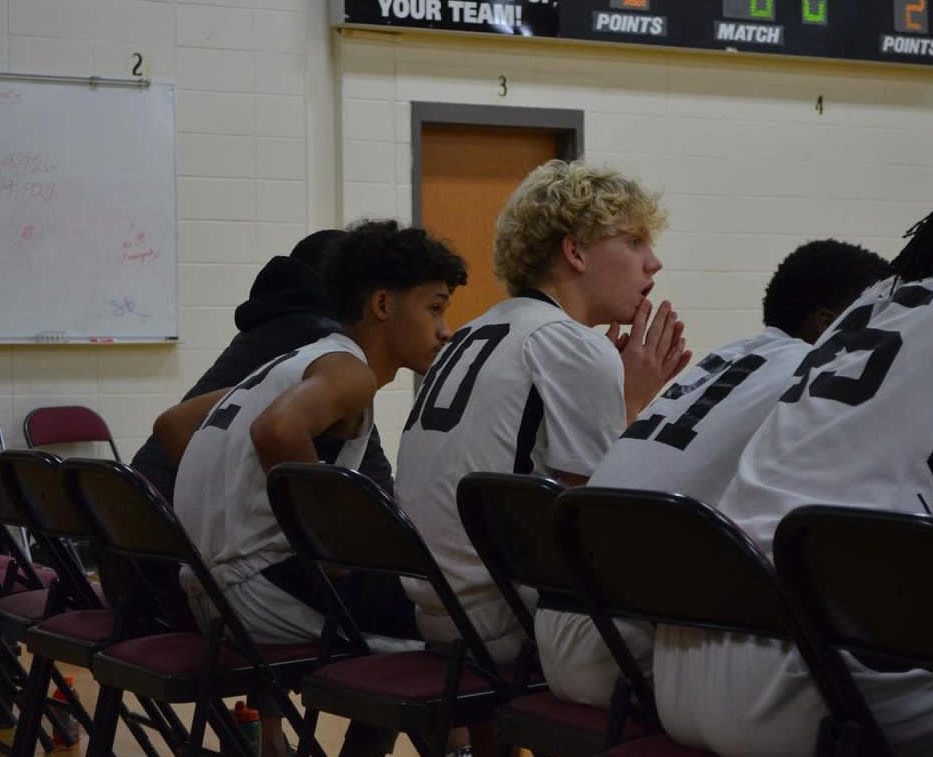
(524, 388)
(855, 424)
(220, 492)
(689, 439)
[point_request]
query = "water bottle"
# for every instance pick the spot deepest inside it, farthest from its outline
(67, 742)
(251, 727)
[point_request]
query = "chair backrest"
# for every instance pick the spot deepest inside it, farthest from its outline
(338, 517)
(135, 522)
(510, 521)
(32, 480)
(131, 519)
(858, 577)
(35, 477)
(672, 559)
(127, 512)
(66, 424)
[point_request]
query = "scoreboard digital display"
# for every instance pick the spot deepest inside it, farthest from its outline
(873, 30)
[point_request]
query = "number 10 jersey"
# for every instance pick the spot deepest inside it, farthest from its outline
(524, 388)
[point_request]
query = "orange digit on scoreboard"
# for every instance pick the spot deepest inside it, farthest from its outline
(917, 7)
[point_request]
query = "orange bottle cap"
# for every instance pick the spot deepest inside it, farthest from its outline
(244, 714)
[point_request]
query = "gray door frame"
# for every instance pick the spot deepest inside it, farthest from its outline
(566, 124)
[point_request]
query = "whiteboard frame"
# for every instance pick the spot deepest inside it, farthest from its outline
(59, 338)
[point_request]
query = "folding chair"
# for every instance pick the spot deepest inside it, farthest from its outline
(670, 559)
(17, 571)
(63, 424)
(858, 582)
(509, 519)
(84, 625)
(338, 518)
(135, 522)
(23, 535)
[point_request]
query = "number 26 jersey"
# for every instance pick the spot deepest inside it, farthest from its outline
(854, 426)
(524, 388)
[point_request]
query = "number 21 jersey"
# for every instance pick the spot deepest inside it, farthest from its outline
(524, 388)
(689, 439)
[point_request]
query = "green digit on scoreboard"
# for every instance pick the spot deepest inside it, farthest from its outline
(749, 10)
(815, 11)
(761, 9)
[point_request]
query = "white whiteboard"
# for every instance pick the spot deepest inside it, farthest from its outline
(87, 213)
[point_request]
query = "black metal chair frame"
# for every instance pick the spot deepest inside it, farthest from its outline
(426, 722)
(164, 538)
(827, 634)
(766, 611)
(484, 501)
(28, 477)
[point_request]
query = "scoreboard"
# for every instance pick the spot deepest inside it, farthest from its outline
(873, 30)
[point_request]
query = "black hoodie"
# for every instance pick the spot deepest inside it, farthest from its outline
(285, 310)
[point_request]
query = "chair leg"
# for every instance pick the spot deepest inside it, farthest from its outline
(306, 735)
(422, 747)
(171, 734)
(30, 716)
(198, 724)
(232, 740)
(138, 732)
(106, 715)
(177, 727)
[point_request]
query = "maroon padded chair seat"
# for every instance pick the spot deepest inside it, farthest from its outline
(73, 637)
(541, 721)
(404, 675)
(87, 625)
(46, 575)
(656, 746)
(20, 611)
(582, 716)
(167, 666)
(26, 605)
(549, 707)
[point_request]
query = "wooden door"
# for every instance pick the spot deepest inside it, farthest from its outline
(467, 174)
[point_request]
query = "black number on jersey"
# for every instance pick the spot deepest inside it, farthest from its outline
(680, 432)
(853, 335)
(224, 414)
(434, 418)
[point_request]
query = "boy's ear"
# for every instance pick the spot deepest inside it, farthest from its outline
(380, 304)
(825, 317)
(572, 251)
